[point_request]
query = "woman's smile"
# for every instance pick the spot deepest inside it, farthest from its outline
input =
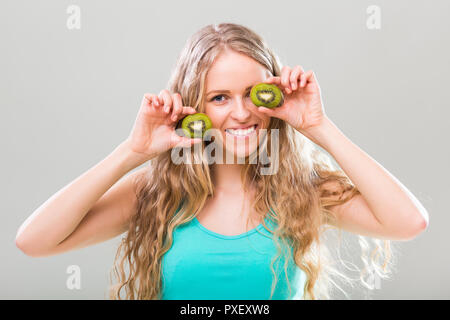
(242, 132)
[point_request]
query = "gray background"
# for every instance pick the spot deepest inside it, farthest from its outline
(69, 97)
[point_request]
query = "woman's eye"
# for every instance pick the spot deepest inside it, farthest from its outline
(222, 96)
(214, 99)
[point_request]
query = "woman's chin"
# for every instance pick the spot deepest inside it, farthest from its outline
(237, 148)
(241, 152)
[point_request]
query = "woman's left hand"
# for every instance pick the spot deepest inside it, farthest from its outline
(302, 107)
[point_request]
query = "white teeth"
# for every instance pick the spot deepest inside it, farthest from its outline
(241, 132)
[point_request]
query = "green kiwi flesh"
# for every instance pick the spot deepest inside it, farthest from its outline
(266, 95)
(195, 125)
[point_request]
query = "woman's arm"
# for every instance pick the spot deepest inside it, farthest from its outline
(75, 217)
(83, 212)
(385, 208)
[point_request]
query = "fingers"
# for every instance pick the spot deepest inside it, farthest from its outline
(281, 81)
(294, 77)
(171, 105)
(285, 73)
(179, 141)
(151, 99)
(178, 110)
(276, 81)
(267, 111)
(177, 107)
(165, 97)
(291, 77)
(187, 142)
(148, 96)
(189, 110)
(308, 77)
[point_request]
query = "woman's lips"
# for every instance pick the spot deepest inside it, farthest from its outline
(242, 133)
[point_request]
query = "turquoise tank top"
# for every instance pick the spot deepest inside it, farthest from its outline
(204, 265)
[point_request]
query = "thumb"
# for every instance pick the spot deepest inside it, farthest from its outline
(178, 141)
(267, 111)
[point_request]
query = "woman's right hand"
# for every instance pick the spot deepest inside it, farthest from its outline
(154, 128)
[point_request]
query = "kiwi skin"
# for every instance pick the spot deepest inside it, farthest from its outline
(201, 119)
(274, 94)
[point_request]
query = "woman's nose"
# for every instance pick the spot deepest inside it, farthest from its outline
(240, 110)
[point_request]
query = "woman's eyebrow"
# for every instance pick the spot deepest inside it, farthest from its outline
(226, 91)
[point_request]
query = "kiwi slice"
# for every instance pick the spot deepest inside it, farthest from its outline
(195, 125)
(266, 95)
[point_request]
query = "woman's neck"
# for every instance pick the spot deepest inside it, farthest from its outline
(229, 193)
(227, 178)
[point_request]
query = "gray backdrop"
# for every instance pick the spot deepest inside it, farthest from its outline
(70, 96)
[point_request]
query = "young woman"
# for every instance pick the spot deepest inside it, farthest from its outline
(202, 230)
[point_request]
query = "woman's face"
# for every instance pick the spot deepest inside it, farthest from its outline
(236, 119)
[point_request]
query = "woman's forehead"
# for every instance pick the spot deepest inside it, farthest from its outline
(234, 72)
(231, 62)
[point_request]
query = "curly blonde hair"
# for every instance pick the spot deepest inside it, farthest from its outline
(302, 213)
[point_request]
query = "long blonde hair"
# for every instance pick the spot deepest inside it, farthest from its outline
(299, 196)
